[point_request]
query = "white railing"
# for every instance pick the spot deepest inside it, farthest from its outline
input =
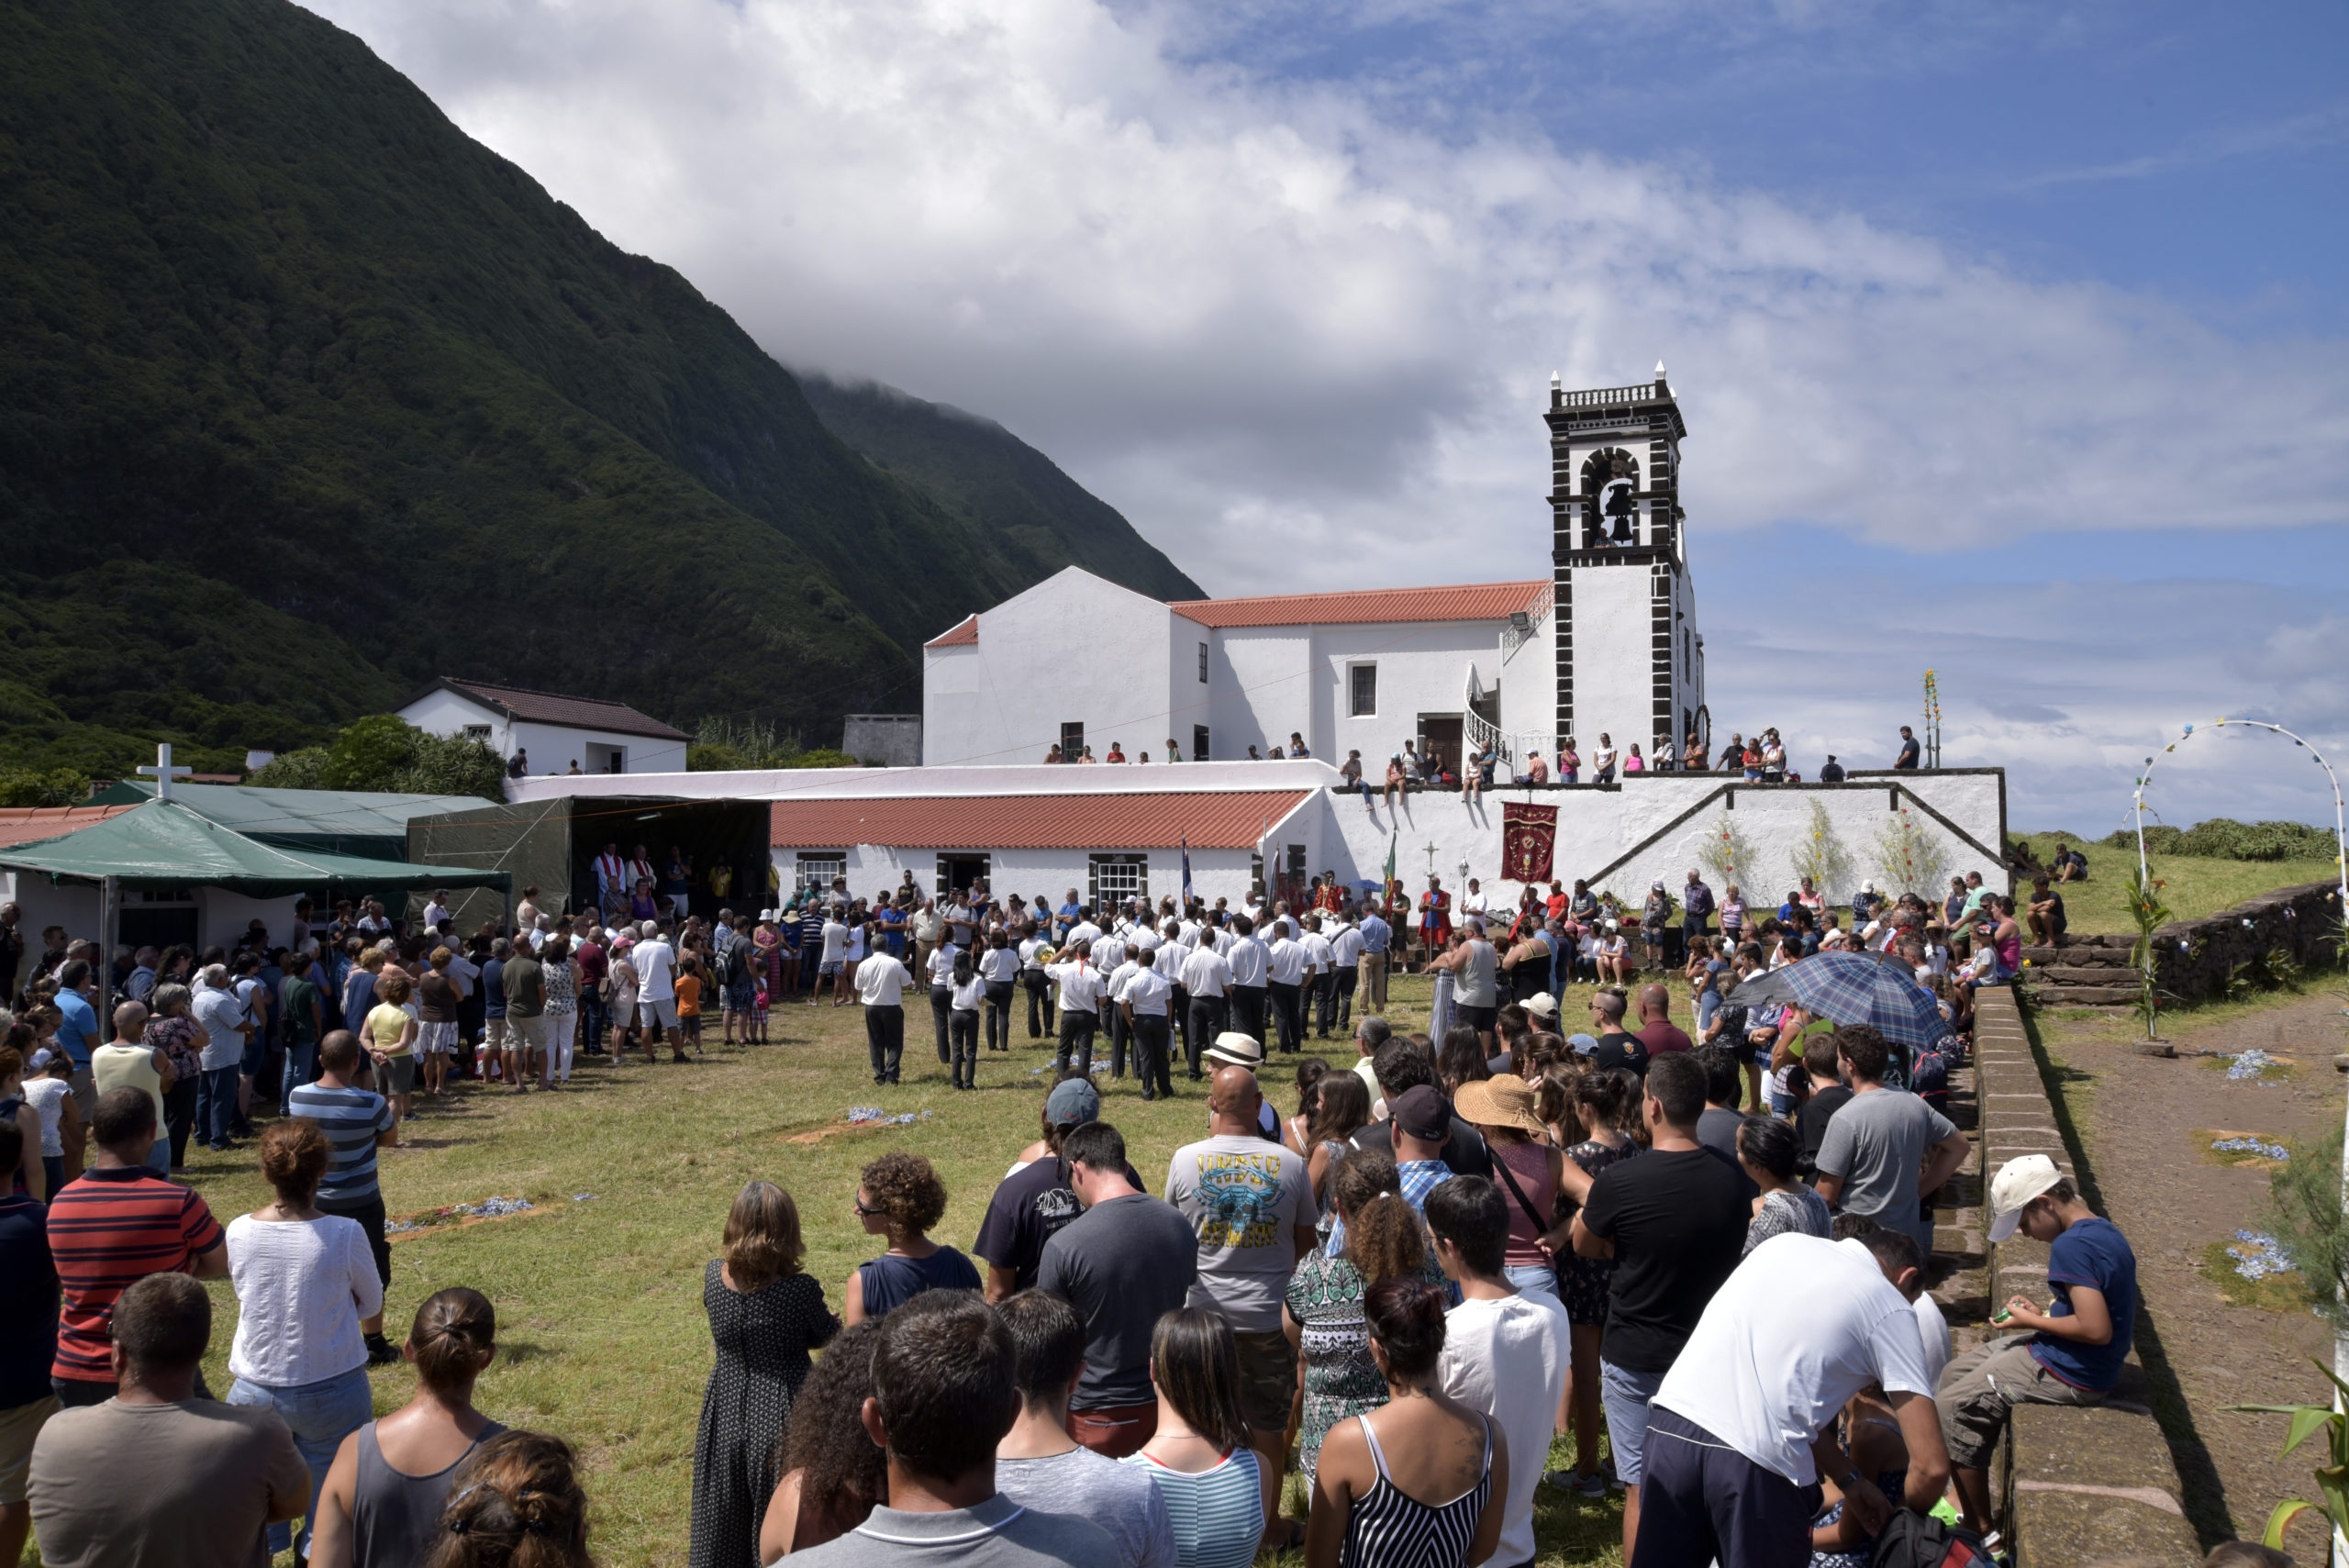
(1535, 614)
(1607, 396)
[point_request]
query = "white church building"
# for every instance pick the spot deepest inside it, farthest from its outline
(1606, 644)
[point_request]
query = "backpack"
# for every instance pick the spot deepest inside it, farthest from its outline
(1919, 1540)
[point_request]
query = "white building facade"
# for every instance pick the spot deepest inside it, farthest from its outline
(556, 732)
(1606, 643)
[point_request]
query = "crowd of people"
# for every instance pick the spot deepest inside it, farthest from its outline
(1457, 1246)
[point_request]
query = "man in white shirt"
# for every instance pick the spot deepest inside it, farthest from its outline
(1743, 1426)
(832, 961)
(1206, 980)
(1248, 960)
(436, 909)
(1505, 1352)
(1321, 964)
(1036, 983)
(1286, 973)
(1084, 931)
(655, 963)
(1345, 963)
(1114, 1017)
(881, 982)
(1081, 990)
(1146, 1000)
(941, 991)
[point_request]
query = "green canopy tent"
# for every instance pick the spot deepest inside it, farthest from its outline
(368, 823)
(165, 842)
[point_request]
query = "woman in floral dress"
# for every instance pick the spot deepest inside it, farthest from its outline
(1324, 1313)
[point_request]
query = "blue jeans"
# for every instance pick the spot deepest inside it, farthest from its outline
(1531, 1277)
(1627, 1395)
(216, 1105)
(301, 1067)
(320, 1416)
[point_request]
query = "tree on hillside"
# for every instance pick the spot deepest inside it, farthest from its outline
(384, 751)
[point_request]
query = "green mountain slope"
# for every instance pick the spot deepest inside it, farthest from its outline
(306, 398)
(1004, 489)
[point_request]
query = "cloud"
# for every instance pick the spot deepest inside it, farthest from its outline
(1299, 328)
(1295, 339)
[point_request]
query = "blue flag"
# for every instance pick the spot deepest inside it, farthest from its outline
(1186, 874)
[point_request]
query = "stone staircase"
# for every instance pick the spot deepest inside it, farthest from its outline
(2083, 971)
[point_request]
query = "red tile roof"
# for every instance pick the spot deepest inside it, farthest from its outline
(966, 631)
(552, 707)
(1232, 820)
(29, 824)
(1467, 601)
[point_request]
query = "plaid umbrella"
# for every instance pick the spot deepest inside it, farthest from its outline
(1853, 988)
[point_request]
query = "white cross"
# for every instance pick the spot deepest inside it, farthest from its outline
(163, 772)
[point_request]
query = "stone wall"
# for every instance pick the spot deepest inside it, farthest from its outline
(2195, 957)
(2095, 1484)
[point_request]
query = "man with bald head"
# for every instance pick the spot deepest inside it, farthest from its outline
(1251, 1204)
(1657, 1031)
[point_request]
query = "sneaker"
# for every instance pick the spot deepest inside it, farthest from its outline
(1576, 1482)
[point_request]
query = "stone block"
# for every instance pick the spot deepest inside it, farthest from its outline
(2090, 995)
(2096, 1485)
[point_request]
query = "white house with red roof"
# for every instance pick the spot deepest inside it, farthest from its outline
(1606, 643)
(557, 732)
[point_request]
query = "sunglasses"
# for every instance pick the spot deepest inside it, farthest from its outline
(858, 1205)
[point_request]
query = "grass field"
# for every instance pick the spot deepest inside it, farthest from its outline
(602, 1336)
(2196, 886)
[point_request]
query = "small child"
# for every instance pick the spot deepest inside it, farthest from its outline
(759, 1008)
(689, 999)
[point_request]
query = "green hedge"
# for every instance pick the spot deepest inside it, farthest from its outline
(2223, 839)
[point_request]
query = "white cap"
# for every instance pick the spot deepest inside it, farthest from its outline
(1542, 1005)
(2019, 1180)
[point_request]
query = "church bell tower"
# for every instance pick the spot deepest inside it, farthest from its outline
(1629, 661)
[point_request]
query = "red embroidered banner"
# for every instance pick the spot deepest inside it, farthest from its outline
(1529, 841)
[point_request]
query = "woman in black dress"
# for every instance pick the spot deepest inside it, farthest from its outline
(766, 1316)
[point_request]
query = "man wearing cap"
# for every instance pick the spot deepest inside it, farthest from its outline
(1031, 1204)
(2069, 1354)
(1251, 1204)
(1419, 1124)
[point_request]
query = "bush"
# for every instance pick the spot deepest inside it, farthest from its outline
(385, 752)
(43, 787)
(2306, 1216)
(2224, 839)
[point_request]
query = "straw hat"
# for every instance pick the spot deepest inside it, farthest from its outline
(1506, 1101)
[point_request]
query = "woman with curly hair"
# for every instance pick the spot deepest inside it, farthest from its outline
(765, 1314)
(899, 1197)
(181, 1039)
(517, 1504)
(834, 1473)
(1322, 1311)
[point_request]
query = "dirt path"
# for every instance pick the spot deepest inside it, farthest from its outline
(2140, 1117)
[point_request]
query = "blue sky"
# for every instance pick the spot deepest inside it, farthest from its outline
(2010, 338)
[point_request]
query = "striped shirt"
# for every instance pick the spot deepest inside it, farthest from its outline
(351, 1118)
(108, 1231)
(1217, 1514)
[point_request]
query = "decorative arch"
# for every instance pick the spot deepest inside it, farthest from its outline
(2340, 830)
(1610, 481)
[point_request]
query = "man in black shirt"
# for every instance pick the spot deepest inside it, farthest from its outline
(1401, 1064)
(1828, 1094)
(1674, 1220)
(1832, 772)
(1909, 749)
(1616, 1049)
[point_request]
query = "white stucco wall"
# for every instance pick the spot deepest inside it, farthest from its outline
(221, 916)
(1595, 825)
(1075, 648)
(1032, 873)
(1613, 668)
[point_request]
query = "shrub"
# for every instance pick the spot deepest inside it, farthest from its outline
(43, 787)
(385, 752)
(2224, 839)
(2308, 1221)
